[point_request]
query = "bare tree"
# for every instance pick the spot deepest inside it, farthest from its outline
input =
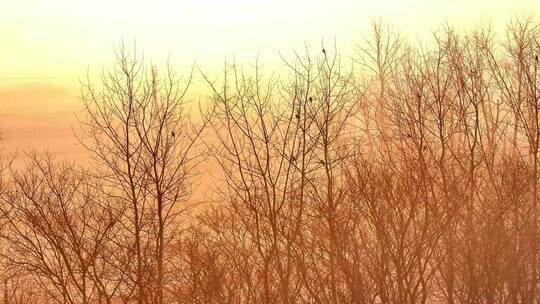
(137, 129)
(56, 224)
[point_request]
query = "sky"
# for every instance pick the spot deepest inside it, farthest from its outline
(47, 46)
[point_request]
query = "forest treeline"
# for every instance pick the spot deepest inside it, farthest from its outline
(408, 173)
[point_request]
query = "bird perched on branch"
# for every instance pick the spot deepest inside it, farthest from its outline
(324, 51)
(172, 134)
(310, 98)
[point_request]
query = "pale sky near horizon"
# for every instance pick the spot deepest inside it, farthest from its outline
(46, 46)
(58, 40)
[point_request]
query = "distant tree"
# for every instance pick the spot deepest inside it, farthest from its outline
(56, 227)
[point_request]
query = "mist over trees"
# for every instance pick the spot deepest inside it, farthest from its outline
(408, 173)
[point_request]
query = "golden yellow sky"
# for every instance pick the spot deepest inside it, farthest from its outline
(47, 45)
(57, 40)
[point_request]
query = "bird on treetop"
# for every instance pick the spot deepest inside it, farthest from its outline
(324, 51)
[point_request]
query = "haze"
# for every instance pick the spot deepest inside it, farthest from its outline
(47, 46)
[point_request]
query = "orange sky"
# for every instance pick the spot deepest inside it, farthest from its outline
(46, 46)
(39, 116)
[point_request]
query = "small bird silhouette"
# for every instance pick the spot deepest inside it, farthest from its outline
(310, 98)
(324, 51)
(172, 134)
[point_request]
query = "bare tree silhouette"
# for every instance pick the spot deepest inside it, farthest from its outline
(410, 176)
